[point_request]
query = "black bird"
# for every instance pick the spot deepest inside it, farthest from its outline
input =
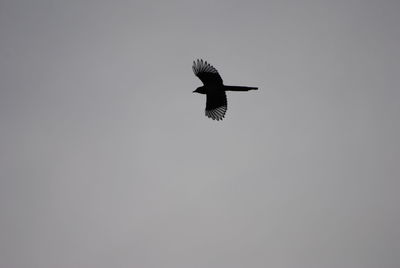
(214, 88)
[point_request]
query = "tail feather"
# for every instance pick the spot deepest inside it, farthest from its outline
(239, 88)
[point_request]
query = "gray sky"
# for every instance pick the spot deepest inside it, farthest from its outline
(107, 159)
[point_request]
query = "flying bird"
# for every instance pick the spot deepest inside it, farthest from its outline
(214, 88)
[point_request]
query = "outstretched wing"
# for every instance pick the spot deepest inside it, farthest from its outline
(207, 73)
(216, 105)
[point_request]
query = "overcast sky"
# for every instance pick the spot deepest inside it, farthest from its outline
(107, 159)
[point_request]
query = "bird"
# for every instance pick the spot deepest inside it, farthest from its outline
(214, 89)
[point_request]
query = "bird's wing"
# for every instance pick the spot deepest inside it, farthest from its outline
(207, 73)
(216, 105)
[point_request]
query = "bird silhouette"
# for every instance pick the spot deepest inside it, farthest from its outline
(214, 88)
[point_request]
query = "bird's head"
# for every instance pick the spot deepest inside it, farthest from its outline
(200, 90)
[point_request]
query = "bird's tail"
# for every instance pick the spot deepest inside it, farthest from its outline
(238, 88)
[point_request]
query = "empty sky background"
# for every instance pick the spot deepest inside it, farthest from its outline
(107, 159)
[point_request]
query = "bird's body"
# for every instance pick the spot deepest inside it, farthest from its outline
(214, 89)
